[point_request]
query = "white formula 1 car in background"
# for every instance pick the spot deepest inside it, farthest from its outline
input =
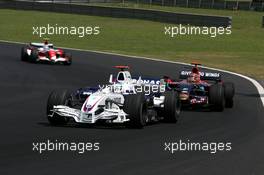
(117, 102)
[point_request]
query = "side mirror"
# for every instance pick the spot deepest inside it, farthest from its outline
(139, 81)
(111, 79)
(162, 82)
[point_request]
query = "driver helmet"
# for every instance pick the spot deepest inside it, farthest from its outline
(194, 77)
(46, 45)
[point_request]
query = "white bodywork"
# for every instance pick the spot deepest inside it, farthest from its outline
(108, 99)
(41, 45)
(103, 100)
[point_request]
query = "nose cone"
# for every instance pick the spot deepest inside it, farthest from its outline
(184, 96)
(91, 102)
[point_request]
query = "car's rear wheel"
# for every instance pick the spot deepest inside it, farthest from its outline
(69, 57)
(172, 107)
(136, 108)
(216, 97)
(57, 97)
(229, 90)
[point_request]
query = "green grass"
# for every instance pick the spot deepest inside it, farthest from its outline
(242, 51)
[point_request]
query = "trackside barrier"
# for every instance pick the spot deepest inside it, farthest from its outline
(152, 15)
(263, 21)
(255, 5)
(209, 4)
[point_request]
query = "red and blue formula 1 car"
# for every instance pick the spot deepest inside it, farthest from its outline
(202, 89)
(45, 53)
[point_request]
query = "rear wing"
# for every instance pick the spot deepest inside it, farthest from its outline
(40, 45)
(209, 76)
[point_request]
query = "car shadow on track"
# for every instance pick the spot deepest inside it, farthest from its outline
(90, 126)
(196, 109)
(94, 126)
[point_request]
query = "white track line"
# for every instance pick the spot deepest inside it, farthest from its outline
(253, 81)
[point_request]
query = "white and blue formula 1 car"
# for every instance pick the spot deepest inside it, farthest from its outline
(121, 101)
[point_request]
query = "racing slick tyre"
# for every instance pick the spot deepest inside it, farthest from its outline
(34, 56)
(69, 56)
(229, 92)
(136, 108)
(57, 97)
(216, 97)
(172, 107)
(24, 55)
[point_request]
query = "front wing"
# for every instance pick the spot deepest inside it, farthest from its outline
(112, 115)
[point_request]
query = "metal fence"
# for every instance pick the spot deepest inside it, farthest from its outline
(210, 4)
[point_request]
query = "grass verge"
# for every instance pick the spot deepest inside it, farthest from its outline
(242, 51)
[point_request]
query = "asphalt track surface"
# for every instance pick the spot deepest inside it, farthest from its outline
(24, 89)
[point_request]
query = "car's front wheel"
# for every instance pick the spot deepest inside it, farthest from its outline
(136, 108)
(172, 107)
(229, 89)
(24, 55)
(34, 56)
(57, 97)
(216, 97)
